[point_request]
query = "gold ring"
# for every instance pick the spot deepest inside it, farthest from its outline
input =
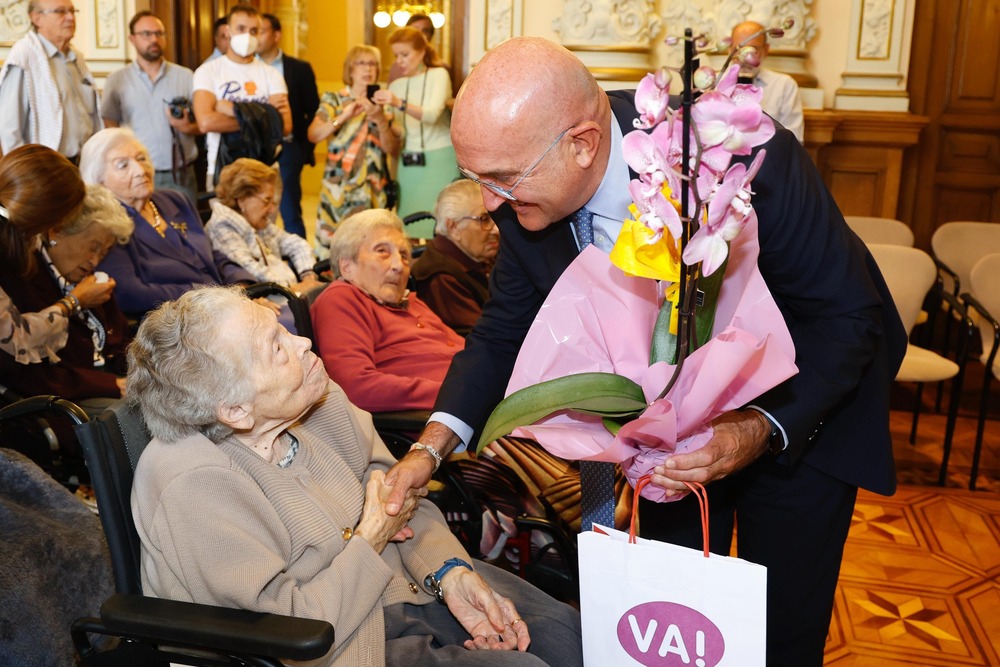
(515, 622)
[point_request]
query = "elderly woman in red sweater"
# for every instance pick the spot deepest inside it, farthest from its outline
(381, 343)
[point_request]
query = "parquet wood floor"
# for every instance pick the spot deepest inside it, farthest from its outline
(920, 581)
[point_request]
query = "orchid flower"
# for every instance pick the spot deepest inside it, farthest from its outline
(644, 153)
(652, 97)
(729, 211)
(722, 122)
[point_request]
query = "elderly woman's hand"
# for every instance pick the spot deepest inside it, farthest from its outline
(378, 527)
(489, 617)
(92, 293)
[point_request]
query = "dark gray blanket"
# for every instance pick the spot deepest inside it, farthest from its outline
(54, 565)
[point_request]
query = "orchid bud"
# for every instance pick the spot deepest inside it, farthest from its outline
(777, 33)
(724, 44)
(704, 77)
(662, 78)
(671, 40)
(700, 42)
(788, 23)
(749, 56)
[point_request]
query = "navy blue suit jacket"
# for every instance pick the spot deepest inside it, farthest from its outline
(149, 270)
(848, 338)
(303, 98)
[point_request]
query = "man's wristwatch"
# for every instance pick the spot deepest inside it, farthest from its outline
(775, 441)
(432, 582)
(421, 447)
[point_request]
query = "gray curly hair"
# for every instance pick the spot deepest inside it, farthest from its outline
(178, 373)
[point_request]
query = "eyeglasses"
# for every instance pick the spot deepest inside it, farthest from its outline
(508, 193)
(484, 220)
(61, 11)
(365, 63)
(266, 201)
(148, 34)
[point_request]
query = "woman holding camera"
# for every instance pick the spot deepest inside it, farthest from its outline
(420, 98)
(360, 137)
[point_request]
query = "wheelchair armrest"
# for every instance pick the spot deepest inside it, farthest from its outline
(216, 628)
(35, 404)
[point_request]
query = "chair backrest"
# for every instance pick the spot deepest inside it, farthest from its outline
(299, 306)
(880, 230)
(909, 274)
(961, 244)
(112, 445)
(984, 284)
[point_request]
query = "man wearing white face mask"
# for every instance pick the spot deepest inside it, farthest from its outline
(236, 77)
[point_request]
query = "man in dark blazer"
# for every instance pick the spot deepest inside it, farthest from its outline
(303, 98)
(788, 468)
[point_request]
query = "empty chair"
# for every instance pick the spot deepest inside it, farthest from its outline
(880, 230)
(960, 245)
(909, 273)
(984, 282)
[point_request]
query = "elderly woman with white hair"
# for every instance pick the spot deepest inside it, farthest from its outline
(263, 489)
(169, 252)
(382, 344)
(90, 369)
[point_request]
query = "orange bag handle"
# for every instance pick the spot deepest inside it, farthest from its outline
(698, 491)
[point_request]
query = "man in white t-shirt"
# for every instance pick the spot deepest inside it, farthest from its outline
(236, 77)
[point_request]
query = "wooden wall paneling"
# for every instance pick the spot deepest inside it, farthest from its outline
(955, 81)
(862, 180)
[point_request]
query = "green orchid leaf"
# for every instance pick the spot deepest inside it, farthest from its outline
(704, 317)
(603, 394)
(663, 346)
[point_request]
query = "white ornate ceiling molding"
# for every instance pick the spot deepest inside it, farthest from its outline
(614, 38)
(878, 56)
(716, 18)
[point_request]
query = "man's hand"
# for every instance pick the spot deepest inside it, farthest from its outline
(489, 617)
(184, 124)
(740, 438)
(415, 469)
(376, 526)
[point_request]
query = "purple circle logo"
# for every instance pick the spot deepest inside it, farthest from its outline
(665, 634)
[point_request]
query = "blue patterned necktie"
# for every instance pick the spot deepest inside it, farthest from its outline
(597, 478)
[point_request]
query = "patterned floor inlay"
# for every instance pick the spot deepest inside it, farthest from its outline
(920, 582)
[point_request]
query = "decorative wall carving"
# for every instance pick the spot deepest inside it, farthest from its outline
(14, 21)
(716, 18)
(108, 22)
(608, 22)
(878, 59)
(876, 24)
(499, 22)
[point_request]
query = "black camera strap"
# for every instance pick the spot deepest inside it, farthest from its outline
(406, 96)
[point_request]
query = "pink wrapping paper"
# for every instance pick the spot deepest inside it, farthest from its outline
(597, 319)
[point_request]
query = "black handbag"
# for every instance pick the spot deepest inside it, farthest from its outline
(391, 191)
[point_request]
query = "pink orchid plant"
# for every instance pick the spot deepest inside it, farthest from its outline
(590, 381)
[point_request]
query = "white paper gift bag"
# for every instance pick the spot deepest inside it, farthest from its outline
(660, 605)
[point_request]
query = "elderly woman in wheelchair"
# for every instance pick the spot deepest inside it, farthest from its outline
(263, 489)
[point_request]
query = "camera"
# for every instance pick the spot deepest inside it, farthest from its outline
(178, 106)
(413, 159)
(371, 90)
